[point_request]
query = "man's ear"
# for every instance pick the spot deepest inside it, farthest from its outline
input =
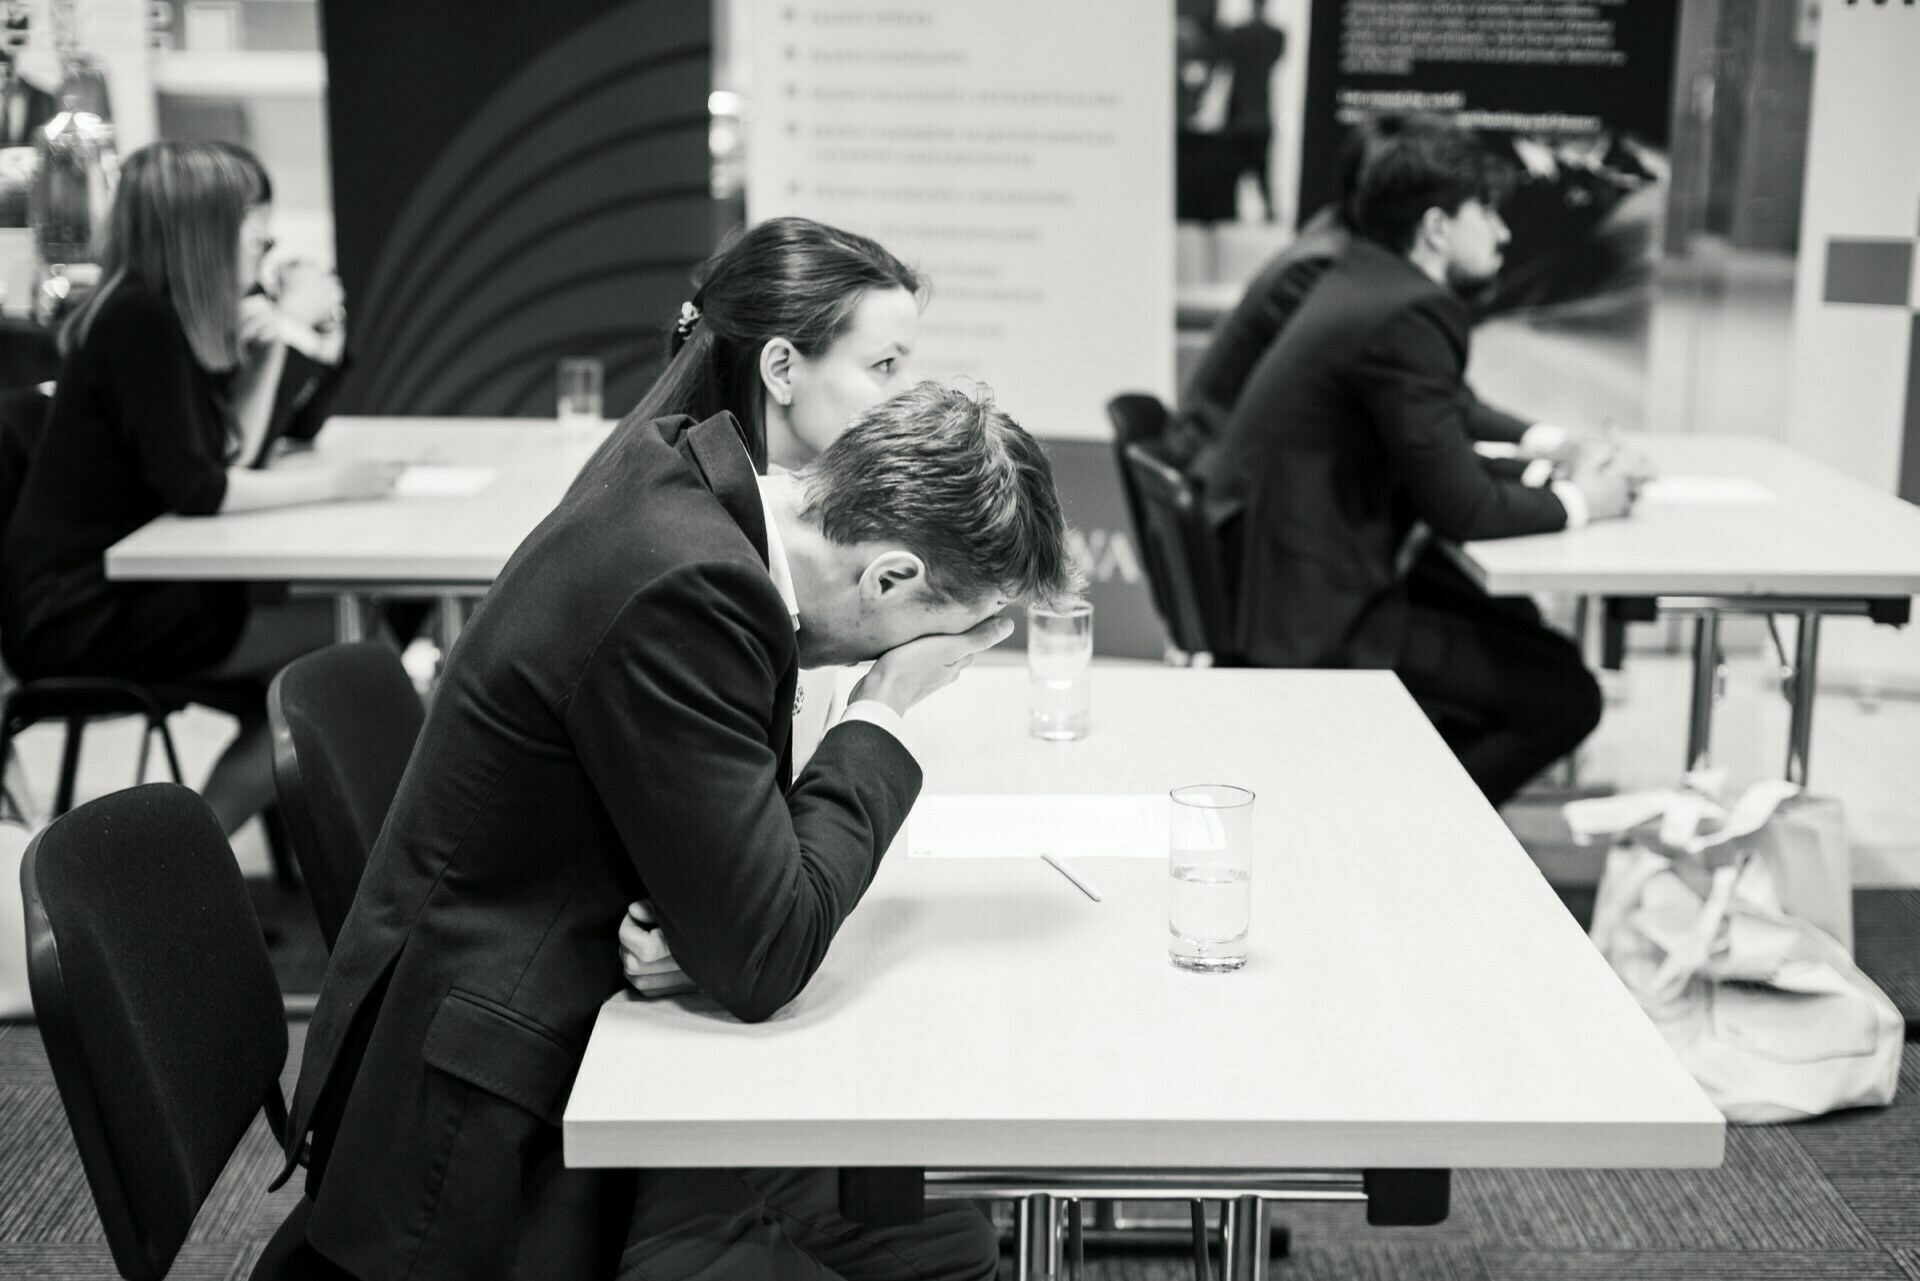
(893, 576)
(777, 358)
(1435, 225)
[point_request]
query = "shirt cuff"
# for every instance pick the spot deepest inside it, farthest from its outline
(1570, 498)
(1538, 473)
(1542, 439)
(874, 712)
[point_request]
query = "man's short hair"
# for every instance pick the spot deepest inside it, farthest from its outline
(1426, 163)
(955, 480)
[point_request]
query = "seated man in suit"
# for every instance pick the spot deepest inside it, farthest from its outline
(1354, 437)
(1270, 301)
(614, 725)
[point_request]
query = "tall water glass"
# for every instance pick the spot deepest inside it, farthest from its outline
(1210, 859)
(1059, 660)
(578, 406)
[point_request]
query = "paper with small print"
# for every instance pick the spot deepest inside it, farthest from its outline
(435, 480)
(1016, 826)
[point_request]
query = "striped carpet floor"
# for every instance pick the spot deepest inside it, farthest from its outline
(1833, 1198)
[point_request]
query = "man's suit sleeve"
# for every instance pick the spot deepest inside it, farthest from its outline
(1484, 422)
(671, 721)
(1408, 378)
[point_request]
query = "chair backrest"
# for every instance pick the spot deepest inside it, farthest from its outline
(1182, 555)
(163, 1023)
(1139, 419)
(344, 723)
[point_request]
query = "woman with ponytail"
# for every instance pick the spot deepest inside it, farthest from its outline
(793, 328)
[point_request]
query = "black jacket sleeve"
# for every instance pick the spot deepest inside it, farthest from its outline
(1484, 422)
(671, 720)
(1408, 377)
(172, 425)
(305, 396)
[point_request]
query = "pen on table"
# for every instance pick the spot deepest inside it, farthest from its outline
(1067, 872)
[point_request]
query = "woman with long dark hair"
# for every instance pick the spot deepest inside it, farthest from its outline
(793, 328)
(164, 396)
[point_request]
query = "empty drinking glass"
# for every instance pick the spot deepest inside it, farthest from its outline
(579, 401)
(1059, 656)
(1210, 860)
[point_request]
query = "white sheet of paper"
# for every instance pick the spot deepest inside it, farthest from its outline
(1007, 826)
(434, 480)
(1704, 491)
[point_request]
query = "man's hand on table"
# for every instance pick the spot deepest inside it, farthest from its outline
(644, 959)
(1570, 450)
(1608, 485)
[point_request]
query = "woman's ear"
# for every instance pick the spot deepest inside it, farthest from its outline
(777, 357)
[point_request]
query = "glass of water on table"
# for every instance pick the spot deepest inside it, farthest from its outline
(1210, 861)
(578, 401)
(1059, 661)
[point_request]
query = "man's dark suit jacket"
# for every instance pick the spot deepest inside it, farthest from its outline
(1353, 425)
(613, 724)
(1250, 329)
(1256, 323)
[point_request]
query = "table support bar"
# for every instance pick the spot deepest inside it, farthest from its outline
(1178, 1185)
(349, 617)
(1806, 656)
(1706, 665)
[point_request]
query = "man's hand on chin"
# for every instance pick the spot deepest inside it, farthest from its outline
(644, 959)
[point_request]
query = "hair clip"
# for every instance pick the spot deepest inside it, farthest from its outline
(689, 317)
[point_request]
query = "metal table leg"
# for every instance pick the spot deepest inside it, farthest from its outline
(1806, 657)
(1249, 1240)
(1706, 664)
(453, 618)
(1037, 1242)
(349, 617)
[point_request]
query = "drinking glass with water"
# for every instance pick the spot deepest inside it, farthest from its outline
(1059, 657)
(578, 403)
(1210, 861)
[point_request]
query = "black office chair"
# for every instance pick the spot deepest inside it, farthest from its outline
(1184, 555)
(78, 701)
(74, 701)
(1139, 419)
(160, 1014)
(344, 723)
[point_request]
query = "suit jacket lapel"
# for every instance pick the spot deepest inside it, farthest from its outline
(716, 450)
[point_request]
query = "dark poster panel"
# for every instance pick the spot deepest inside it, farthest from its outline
(1124, 624)
(1577, 95)
(512, 188)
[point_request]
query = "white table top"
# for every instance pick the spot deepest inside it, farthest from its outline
(463, 540)
(1415, 994)
(1826, 535)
